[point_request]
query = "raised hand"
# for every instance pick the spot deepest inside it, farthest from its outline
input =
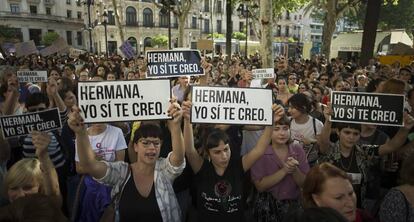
(186, 106)
(174, 110)
(328, 111)
(278, 112)
(52, 87)
(41, 141)
(75, 121)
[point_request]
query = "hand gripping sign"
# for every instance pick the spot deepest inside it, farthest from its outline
(223, 105)
(113, 101)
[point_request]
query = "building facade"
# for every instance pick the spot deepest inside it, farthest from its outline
(34, 18)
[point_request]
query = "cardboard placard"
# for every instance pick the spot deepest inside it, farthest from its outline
(25, 48)
(263, 73)
(367, 108)
(174, 63)
(113, 101)
(75, 53)
(205, 44)
(127, 49)
(59, 45)
(20, 125)
(224, 105)
(32, 76)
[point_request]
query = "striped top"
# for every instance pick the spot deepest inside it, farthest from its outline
(54, 149)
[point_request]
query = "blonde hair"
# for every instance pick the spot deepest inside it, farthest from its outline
(22, 172)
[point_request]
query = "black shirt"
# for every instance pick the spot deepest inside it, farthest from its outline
(134, 207)
(220, 198)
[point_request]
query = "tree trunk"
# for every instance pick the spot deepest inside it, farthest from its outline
(329, 26)
(118, 21)
(370, 31)
(229, 31)
(266, 34)
(181, 25)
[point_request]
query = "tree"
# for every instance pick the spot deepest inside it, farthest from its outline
(180, 8)
(118, 20)
(160, 41)
(266, 22)
(229, 25)
(216, 36)
(370, 31)
(332, 11)
(238, 35)
(49, 38)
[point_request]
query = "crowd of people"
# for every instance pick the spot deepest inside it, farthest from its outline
(302, 168)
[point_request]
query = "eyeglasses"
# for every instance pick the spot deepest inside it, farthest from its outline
(324, 79)
(147, 143)
(292, 78)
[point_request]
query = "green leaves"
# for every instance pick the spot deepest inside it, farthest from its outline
(49, 38)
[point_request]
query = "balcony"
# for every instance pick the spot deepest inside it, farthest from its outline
(49, 2)
(40, 17)
(152, 25)
(33, 1)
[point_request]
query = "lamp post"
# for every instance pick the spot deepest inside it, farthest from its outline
(200, 17)
(88, 3)
(105, 23)
(243, 11)
(167, 4)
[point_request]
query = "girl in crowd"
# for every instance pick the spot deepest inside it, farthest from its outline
(143, 190)
(219, 178)
(278, 175)
(398, 204)
(283, 92)
(303, 86)
(328, 186)
(292, 83)
(305, 128)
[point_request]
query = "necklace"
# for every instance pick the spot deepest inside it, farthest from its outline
(346, 169)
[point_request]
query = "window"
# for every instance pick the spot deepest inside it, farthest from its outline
(287, 31)
(35, 35)
(287, 15)
(241, 27)
(14, 8)
(131, 16)
(251, 31)
(69, 14)
(219, 26)
(79, 38)
(206, 26)
(300, 17)
(164, 18)
(194, 22)
(219, 7)
(48, 11)
(296, 17)
(33, 9)
(68, 2)
(50, 30)
(79, 15)
(279, 30)
(78, 3)
(111, 18)
(206, 5)
(69, 37)
(148, 17)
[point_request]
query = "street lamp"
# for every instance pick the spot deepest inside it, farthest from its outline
(88, 3)
(167, 6)
(243, 11)
(200, 17)
(105, 23)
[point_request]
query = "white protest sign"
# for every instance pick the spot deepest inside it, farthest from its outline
(32, 76)
(263, 73)
(112, 101)
(75, 53)
(248, 106)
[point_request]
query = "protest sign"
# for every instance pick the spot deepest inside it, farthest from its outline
(127, 49)
(173, 63)
(75, 53)
(263, 73)
(367, 108)
(205, 44)
(25, 48)
(59, 45)
(247, 106)
(112, 101)
(32, 76)
(24, 124)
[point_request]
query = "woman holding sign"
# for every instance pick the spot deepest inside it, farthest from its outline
(356, 159)
(219, 178)
(143, 190)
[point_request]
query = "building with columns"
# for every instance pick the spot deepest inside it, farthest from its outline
(34, 18)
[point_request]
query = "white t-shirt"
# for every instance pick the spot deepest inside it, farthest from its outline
(107, 143)
(301, 131)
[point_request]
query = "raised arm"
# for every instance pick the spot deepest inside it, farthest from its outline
(195, 160)
(399, 139)
(12, 96)
(324, 138)
(87, 160)
(41, 142)
(251, 157)
(52, 93)
(174, 125)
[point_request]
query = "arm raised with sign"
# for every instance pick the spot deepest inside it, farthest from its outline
(324, 139)
(174, 125)
(251, 157)
(12, 96)
(52, 93)
(86, 155)
(399, 139)
(41, 142)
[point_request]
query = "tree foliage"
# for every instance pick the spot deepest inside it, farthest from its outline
(159, 40)
(49, 38)
(239, 35)
(216, 36)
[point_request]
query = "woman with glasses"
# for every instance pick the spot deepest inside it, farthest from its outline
(292, 83)
(219, 178)
(141, 191)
